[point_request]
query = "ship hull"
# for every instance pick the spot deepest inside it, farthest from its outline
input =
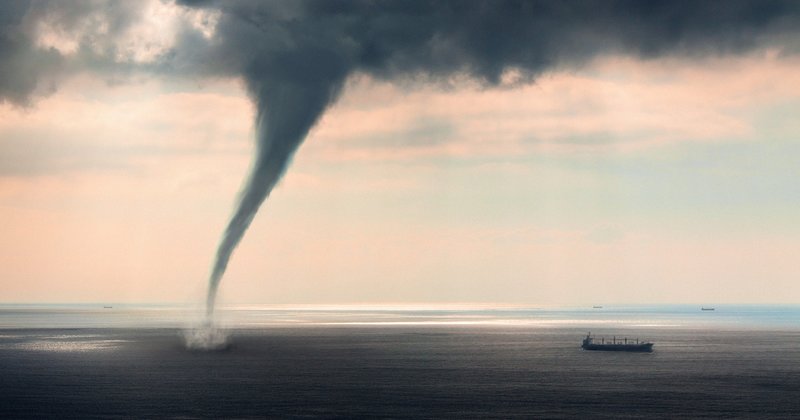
(638, 348)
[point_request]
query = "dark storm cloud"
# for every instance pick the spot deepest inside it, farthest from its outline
(482, 38)
(22, 65)
(28, 69)
(387, 39)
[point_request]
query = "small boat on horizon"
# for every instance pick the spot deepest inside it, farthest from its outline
(597, 307)
(706, 309)
(107, 307)
(616, 345)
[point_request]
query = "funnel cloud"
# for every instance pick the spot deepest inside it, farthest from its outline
(280, 129)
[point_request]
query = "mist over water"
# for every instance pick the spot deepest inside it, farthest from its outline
(206, 337)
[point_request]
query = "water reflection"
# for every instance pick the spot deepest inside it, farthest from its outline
(61, 345)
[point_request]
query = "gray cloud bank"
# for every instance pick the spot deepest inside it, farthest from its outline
(295, 56)
(330, 40)
(28, 69)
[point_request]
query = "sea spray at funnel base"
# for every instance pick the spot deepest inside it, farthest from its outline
(205, 337)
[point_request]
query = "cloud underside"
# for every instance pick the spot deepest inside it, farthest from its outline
(325, 42)
(296, 57)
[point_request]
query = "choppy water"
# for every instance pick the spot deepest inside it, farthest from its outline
(133, 362)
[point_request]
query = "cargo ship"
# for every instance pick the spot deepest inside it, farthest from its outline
(616, 345)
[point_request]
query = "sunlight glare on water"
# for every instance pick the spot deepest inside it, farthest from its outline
(189, 319)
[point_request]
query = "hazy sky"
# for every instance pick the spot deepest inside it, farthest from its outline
(631, 171)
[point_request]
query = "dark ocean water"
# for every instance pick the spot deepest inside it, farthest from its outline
(444, 364)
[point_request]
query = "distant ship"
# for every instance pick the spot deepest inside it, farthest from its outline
(597, 307)
(706, 309)
(614, 345)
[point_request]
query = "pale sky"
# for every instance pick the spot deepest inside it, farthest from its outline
(668, 179)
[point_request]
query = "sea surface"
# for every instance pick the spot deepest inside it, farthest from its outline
(85, 361)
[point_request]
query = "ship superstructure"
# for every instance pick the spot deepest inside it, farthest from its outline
(615, 344)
